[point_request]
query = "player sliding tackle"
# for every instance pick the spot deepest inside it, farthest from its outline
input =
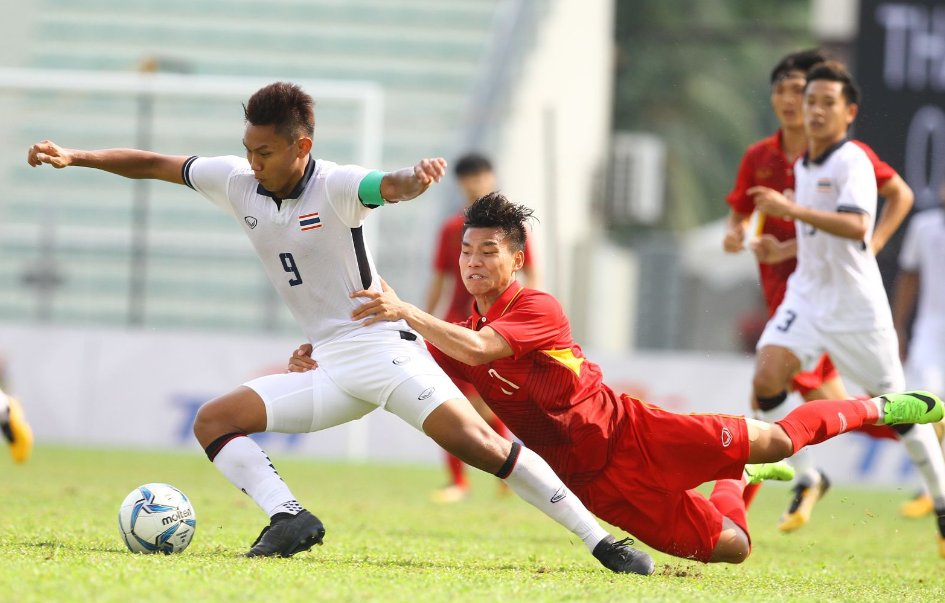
(633, 464)
(304, 218)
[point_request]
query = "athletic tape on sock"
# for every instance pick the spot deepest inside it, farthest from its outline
(217, 445)
(509, 463)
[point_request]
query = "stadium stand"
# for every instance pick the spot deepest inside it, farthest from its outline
(200, 270)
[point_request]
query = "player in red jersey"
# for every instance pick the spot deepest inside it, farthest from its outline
(475, 177)
(632, 464)
(769, 163)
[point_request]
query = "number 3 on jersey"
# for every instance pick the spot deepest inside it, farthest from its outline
(288, 264)
(791, 317)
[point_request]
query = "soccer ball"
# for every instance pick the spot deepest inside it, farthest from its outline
(157, 518)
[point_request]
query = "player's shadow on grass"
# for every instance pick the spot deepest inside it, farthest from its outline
(439, 566)
(54, 547)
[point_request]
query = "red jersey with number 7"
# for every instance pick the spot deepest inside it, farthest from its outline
(764, 164)
(547, 392)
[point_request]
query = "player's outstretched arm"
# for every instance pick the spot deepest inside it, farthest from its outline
(130, 163)
(410, 183)
(899, 198)
(468, 346)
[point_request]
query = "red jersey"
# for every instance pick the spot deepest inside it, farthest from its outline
(547, 392)
(764, 164)
(446, 259)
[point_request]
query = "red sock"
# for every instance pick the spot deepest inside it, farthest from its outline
(499, 427)
(727, 497)
(457, 470)
(749, 494)
(820, 420)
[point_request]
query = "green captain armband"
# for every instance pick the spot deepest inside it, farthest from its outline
(369, 191)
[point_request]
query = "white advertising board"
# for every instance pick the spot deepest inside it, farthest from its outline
(142, 389)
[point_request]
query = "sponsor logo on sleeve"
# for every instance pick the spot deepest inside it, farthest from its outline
(426, 393)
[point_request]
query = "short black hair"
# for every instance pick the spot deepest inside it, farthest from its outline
(494, 210)
(471, 164)
(802, 61)
(285, 106)
(834, 71)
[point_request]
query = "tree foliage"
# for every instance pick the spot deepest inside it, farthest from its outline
(696, 73)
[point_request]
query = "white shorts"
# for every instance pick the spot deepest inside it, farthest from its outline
(926, 364)
(868, 358)
(354, 377)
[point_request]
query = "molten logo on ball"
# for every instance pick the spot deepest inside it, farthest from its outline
(157, 518)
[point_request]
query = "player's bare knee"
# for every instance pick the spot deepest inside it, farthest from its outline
(235, 412)
(205, 422)
(739, 552)
(485, 449)
(733, 547)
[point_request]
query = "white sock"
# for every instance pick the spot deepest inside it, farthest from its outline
(803, 460)
(804, 466)
(245, 464)
(533, 480)
(923, 447)
(4, 406)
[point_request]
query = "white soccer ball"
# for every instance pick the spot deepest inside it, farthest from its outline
(157, 518)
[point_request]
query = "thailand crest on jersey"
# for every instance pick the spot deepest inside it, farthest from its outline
(310, 221)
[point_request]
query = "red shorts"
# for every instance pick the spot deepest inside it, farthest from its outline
(804, 383)
(646, 488)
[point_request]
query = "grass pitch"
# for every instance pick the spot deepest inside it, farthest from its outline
(59, 541)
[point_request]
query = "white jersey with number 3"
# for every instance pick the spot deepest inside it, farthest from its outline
(312, 247)
(837, 275)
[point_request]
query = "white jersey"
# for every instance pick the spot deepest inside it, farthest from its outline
(923, 251)
(839, 276)
(312, 247)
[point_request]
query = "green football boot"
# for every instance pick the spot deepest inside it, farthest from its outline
(911, 407)
(779, 472)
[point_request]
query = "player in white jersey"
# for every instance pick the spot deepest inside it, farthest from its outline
(835, 301)
(304, 218)
(922, 277)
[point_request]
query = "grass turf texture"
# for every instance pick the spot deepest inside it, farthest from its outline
(59, 540)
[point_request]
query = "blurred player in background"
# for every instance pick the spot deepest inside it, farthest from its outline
(13, 423)
(633, 464)
(304, 217)
(770, 163)
(476, 177)
(922, 277)
(835, 301)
